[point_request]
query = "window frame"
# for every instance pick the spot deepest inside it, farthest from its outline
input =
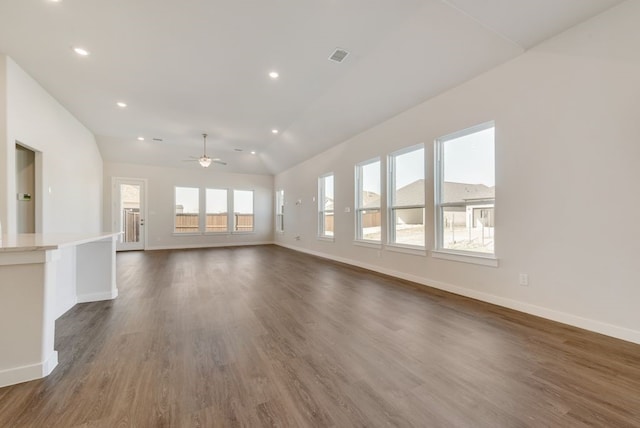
(440, 251)
(391, 190)
(359, 168)
(322, 212)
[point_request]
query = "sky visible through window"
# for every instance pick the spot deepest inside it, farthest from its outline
(409, 167)
(243, 201)
(371, 177)
(216, 201)
(471, 158)
(189, 199)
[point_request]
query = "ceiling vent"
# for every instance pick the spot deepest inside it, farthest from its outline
(157, 139)
(338, 55)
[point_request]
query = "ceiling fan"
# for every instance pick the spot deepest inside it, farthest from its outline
(205, 160)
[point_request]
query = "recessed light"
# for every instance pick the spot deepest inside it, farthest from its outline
(253, 152)
(121, 104)
(274, 75)
(274, 131)
(81, 51)
(140, 138)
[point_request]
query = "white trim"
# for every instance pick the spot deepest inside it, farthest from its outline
(208, 245)
(406, 249)
(477, 259)
(325, 238)
(368, 244)
(97, 297)
(550, 314)
(26, 373)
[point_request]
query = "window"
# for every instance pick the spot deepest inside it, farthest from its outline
(465, 192)
(368, 219)
(243, 210)
(406, 197)
(280, 211)
(187, 214)
(217, 211)
(325, 206)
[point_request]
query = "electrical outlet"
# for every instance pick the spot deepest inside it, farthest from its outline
(524, 279)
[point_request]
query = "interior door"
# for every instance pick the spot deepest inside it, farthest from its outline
(129, 213)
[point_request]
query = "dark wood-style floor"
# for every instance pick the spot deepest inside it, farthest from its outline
(264, 336)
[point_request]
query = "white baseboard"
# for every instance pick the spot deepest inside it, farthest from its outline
(212, 245)
(26, 373)
(97, 297)
(550, 314)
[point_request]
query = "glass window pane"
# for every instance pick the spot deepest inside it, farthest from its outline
(280, 211)
(468, 167)
(408, 178)
(371, 224)
(217, 213)
(409, 226)
(468, 228)
(325, 205)
(369, 196)
(187, 210)
(243, 210)
(328, 192)
(328, 223)
(130, 208)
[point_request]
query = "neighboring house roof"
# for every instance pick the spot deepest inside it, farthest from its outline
(370, 199)
(413, 194)
(466, 192)
(328, 204)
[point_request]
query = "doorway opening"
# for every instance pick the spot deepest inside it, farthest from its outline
(129, 213)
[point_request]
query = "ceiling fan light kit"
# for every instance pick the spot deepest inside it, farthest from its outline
(205, 160)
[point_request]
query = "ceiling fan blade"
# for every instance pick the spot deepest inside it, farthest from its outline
(190, 160)
(219, 161)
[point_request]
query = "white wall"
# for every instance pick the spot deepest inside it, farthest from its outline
(160, 203)
(567, 153)
(71, 179)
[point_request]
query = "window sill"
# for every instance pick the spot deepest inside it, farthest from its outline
(187, 233)
(368, 244)
(216, 233)
(406, 249)
(477, 259)
(325, 238)
(243, 232)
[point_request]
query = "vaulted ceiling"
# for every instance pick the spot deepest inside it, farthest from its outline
(193, 66)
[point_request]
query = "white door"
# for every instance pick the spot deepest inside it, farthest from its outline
(129, 213)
